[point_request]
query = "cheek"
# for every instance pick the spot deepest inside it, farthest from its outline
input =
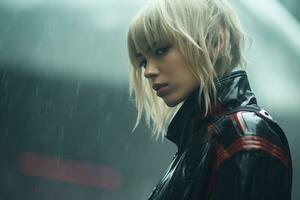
(177, 72)
(175, 67)
(181, 74)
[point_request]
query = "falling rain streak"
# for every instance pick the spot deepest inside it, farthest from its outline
(62, 132)
(3, 76)
(99, 134)
(71, 112)
(77, 88)
(38, 49)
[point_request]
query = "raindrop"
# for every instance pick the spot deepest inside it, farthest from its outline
(58, 160)
(98, 134)
(71, 112)
(62, 132)
(3, 76)
(39, 48)
(108, 118)
(77, 88)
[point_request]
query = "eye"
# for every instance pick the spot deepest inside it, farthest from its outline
(143, 63)
(161, 51)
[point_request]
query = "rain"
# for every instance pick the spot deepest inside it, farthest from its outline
(66, 117)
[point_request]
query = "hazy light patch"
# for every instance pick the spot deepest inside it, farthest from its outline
(273, 55)
(276, 16)
(66, 42)
(271, 77)
(82, 4)
(107, 20)
(21, 4)
(275, 89)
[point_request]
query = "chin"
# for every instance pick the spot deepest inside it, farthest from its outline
(172, 103)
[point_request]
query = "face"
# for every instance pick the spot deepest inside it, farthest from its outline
(168, 73)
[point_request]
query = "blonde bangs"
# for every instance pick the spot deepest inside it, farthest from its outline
(147, 29)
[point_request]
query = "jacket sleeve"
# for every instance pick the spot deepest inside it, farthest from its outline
(252, 175)
(252, 161)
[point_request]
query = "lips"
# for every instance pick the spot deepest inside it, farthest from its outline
(157, 86)
(161, 89)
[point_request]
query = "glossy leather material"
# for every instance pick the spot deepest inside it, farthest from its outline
(236, 152)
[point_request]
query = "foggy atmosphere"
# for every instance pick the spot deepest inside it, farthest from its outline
(66, 114)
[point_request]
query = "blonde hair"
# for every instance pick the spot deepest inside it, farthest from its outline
(206, 33)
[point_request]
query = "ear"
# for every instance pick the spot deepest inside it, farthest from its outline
(222, 39)
(217, 50)
(221, 42)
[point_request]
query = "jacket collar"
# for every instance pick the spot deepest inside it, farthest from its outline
(233, 90)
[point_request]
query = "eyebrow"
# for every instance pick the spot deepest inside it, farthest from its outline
(154, 45)
(139, 55)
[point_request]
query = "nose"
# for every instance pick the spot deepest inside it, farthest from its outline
(151, 69)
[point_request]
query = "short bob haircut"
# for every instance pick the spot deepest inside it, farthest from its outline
(207, 34)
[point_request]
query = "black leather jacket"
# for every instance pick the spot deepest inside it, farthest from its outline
(237, 152)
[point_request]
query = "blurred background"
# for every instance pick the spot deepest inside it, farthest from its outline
(65, 112)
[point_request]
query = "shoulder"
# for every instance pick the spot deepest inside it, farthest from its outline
(251, 130)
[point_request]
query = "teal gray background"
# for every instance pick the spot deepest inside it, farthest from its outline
(64, 91)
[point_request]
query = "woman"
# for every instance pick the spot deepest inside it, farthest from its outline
(185, 56)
